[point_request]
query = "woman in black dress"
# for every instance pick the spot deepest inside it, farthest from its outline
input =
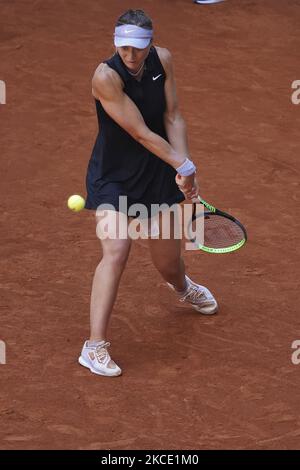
(141, 153)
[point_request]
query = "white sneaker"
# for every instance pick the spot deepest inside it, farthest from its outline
(200, 298)
(96, 358)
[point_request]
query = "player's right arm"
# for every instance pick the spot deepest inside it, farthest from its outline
(107, 87)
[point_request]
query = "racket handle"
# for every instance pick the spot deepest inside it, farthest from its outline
(208, 206)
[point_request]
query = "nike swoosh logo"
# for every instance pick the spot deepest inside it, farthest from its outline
(129, 31)
(157, 76)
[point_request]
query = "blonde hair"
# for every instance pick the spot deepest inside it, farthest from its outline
(136, 17)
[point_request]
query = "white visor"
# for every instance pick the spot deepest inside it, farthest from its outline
(131, 35)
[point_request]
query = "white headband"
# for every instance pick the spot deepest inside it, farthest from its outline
(131, 35)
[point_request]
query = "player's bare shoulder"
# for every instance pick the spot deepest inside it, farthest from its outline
(105, 82)
(165, 58)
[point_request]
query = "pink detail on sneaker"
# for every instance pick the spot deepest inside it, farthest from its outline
(96, 358)
(200, 298)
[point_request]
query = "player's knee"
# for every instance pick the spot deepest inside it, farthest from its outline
(117, 255)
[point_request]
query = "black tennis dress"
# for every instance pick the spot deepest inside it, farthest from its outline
(119, 165)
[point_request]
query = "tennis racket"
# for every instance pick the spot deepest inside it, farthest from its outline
(223, 233)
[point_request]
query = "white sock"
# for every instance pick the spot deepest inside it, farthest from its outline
(92, 344)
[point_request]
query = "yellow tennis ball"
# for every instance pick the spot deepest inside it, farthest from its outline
(76, 203)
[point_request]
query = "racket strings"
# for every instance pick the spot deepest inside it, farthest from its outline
(220, 232)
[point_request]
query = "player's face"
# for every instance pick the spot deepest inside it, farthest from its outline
(133, 57)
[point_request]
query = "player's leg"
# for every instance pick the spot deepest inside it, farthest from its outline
(94, 354)
(166, 257)
(108, 272)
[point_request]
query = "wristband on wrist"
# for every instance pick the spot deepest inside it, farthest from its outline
(187, 168)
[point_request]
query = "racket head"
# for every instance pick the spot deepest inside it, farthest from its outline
(223, 233)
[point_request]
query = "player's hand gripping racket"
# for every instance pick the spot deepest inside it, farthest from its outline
(222, 232)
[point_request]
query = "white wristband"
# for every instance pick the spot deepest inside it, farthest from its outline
(187, 168)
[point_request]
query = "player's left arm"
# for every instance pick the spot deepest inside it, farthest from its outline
(173, 120)
(174, 123)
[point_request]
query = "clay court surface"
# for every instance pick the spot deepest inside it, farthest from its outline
(189, 381)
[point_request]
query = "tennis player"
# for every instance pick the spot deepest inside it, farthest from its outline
(141, 152)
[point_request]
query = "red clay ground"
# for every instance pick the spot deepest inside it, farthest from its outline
(189, 381)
